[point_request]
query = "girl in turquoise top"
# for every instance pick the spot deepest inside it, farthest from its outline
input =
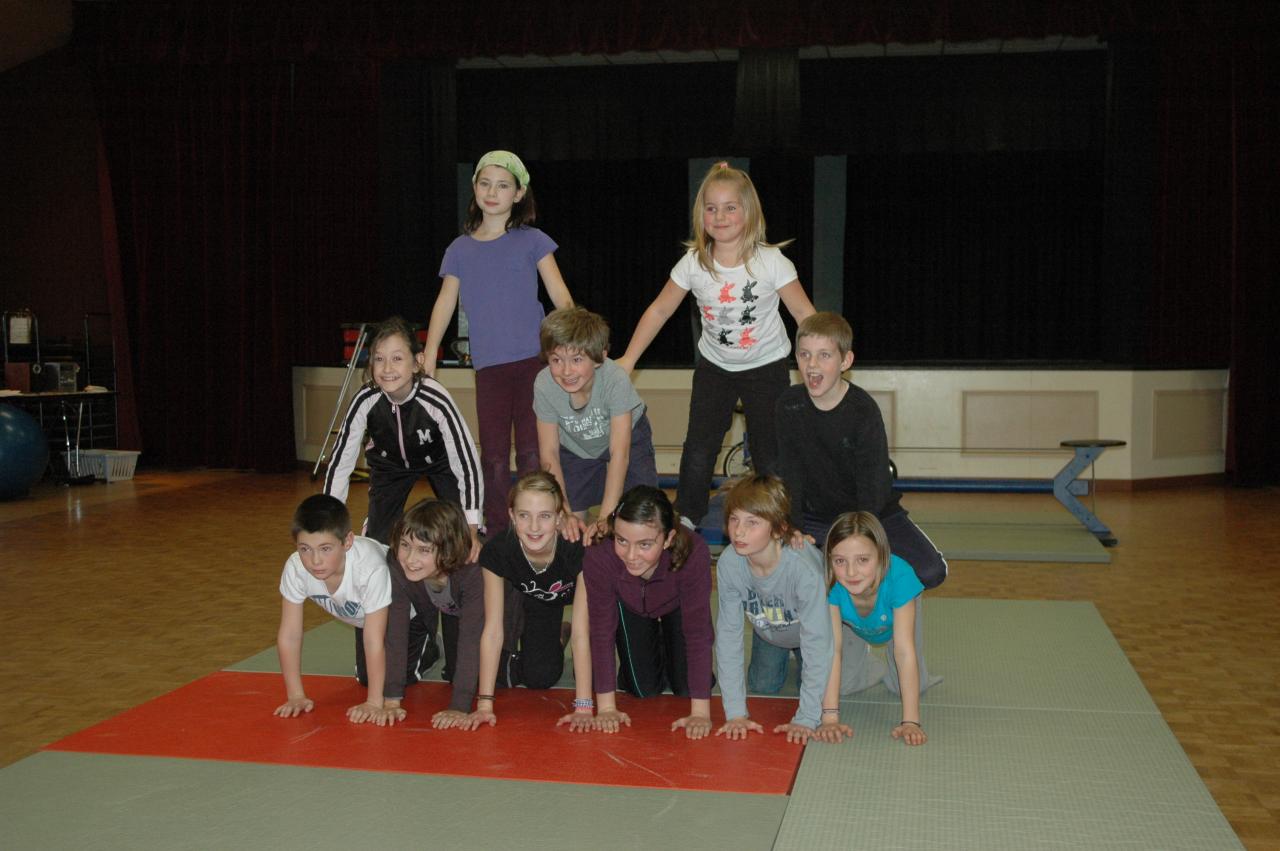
(873, 598)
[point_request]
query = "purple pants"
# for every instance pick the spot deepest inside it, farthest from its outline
(504, 398)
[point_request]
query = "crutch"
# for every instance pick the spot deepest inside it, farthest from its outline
(342, 396)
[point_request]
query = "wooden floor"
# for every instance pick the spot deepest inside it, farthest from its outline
(119, 593)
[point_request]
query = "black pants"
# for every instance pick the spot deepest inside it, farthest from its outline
(711, 403)
(652, 657)
(422, 628)
(532, 655)
(389, 487)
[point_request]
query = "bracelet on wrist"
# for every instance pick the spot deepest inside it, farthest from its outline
(912, 723)
(487, 697)
(584, 703)
(835, 711)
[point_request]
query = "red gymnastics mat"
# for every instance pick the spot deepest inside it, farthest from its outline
(227, 716)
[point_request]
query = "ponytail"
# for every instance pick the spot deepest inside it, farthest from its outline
(651, 506)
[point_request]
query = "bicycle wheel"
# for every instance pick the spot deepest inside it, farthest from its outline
(735, 463)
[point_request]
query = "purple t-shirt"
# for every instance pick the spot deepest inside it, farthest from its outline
(499, 291)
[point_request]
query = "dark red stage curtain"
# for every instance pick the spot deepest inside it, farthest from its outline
(218, 31)
(247, 223)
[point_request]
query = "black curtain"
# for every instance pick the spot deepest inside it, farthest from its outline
(417, 182)
(974, 256)
(597, 113)
(619, 225)
(247, 227)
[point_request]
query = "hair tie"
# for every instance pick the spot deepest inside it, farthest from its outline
(721, 164)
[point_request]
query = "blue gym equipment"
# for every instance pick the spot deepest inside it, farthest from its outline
(24, 453)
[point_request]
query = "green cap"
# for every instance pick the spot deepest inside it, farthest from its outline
(506, 160)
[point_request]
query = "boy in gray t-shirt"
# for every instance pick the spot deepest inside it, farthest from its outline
(593, 434)
(782, 591)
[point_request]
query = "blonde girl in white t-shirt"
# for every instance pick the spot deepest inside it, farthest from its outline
(738, 279)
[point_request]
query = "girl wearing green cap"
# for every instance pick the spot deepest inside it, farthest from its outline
(494, 266)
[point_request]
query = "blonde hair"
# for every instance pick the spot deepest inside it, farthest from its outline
(753, 234)
(857, 524)
(766, 497)
(824, 323)
(539, 481)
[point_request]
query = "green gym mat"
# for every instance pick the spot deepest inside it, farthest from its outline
(1041, 736)
(1011, 536)
(66, 800)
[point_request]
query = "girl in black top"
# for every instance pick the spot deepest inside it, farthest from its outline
(530, 574)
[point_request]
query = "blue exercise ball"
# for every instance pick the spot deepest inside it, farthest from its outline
(24, 453)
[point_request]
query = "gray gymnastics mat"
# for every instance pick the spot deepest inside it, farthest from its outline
(1041, 736)
(72, 800)
(1011, 536)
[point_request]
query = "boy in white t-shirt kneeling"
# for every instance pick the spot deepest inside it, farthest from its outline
(347, 576)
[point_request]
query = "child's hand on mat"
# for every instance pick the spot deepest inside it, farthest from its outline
(910, 733)
(611, 720)
(387, 716)
(695, 726)
(477, 719)
(797, 733)
(367, 712)
(295, 706)
(448, 718)
(833, 732)
(579, 721)
(395, 709)
(738, 728)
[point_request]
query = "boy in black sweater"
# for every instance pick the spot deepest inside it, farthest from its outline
(833, 452)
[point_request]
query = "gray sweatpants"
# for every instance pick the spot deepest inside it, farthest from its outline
(861, 669)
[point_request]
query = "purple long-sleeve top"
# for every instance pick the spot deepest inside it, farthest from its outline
(687, 589)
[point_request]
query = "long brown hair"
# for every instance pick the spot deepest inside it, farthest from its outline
(394, 326)
(849, 525)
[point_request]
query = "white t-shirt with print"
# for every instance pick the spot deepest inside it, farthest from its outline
(741, 327)
(365, 586)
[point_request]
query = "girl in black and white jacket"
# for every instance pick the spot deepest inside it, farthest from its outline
(409, 427)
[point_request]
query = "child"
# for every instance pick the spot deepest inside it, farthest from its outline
(413, 428)
(347, 576)
(495, 266)
(834, 454)
(430, 573)
(782, 593)
(738, 280)
(593, 433)
(530, 575)
(875, 596)
(651, 593)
